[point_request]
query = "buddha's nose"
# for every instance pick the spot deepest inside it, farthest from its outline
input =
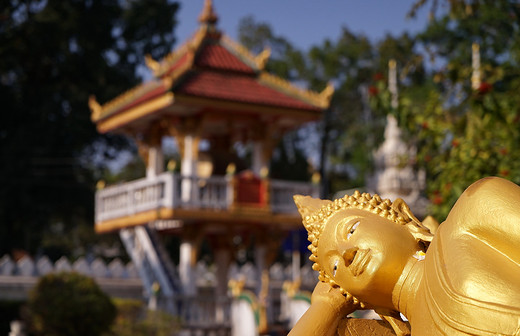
(349, 254)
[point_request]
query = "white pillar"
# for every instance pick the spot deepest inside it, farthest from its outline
(188, 165)
(260, 261)
(258, 158)
(155, 161)
(186, 267)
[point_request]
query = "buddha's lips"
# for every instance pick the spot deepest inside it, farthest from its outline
(360, 261)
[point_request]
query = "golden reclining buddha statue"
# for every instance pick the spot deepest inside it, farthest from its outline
(462, 278)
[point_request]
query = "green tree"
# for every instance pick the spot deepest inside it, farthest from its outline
(53, 55)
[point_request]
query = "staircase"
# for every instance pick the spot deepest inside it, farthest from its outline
(153, 264)
(155, 267)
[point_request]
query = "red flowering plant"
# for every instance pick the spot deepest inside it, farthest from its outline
(458, 141)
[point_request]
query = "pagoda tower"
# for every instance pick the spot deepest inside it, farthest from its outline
(210, 89)
(396, 174)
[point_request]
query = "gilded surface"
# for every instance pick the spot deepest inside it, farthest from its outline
(372, 253)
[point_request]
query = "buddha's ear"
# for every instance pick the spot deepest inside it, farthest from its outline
(308, 205)
(400, 206)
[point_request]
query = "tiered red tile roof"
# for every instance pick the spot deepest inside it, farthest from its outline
(216, 57)
(238, 88)
(211, 66)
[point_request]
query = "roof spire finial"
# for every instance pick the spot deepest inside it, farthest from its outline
(208, 15)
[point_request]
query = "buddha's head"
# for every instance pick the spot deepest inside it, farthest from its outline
(361, 244)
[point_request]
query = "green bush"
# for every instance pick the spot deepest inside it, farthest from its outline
(69, 304)
(133, 319)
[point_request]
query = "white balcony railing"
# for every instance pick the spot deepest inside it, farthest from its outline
(132, 197)
(209, 193)
(169, 190)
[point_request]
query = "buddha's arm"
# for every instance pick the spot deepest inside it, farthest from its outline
(322, 318)
(319, 319)
(364, 327)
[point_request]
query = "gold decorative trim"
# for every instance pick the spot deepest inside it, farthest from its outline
(308, 115)
(321, 100)
(112, 122)
(133, 220)
(191, 45)
(278, 221)
(102, 111)
(172, 77)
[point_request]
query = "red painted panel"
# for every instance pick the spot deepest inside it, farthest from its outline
(250, 190)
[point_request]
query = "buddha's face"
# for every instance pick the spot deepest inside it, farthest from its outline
(365, 254)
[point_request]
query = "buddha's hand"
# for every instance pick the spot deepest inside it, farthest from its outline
(324, 294)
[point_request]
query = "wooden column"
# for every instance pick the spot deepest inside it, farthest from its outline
(149, 145)
(155, 161)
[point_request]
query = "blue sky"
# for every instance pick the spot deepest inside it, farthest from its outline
(307, 22)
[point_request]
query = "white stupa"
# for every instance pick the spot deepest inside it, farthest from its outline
(396, 174)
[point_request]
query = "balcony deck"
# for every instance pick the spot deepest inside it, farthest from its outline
(170, 196)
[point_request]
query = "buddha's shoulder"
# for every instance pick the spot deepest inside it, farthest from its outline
(490, 190)
(483, 204)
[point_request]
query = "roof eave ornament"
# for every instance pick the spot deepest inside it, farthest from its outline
(326, 95)
(262, 58)
(152, 64)
(95, 108)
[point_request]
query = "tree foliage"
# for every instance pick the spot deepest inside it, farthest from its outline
(463, 133)
(467, 132)
(53, 55)
(349, 131)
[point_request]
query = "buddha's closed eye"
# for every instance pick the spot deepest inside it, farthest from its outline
(352, 229)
